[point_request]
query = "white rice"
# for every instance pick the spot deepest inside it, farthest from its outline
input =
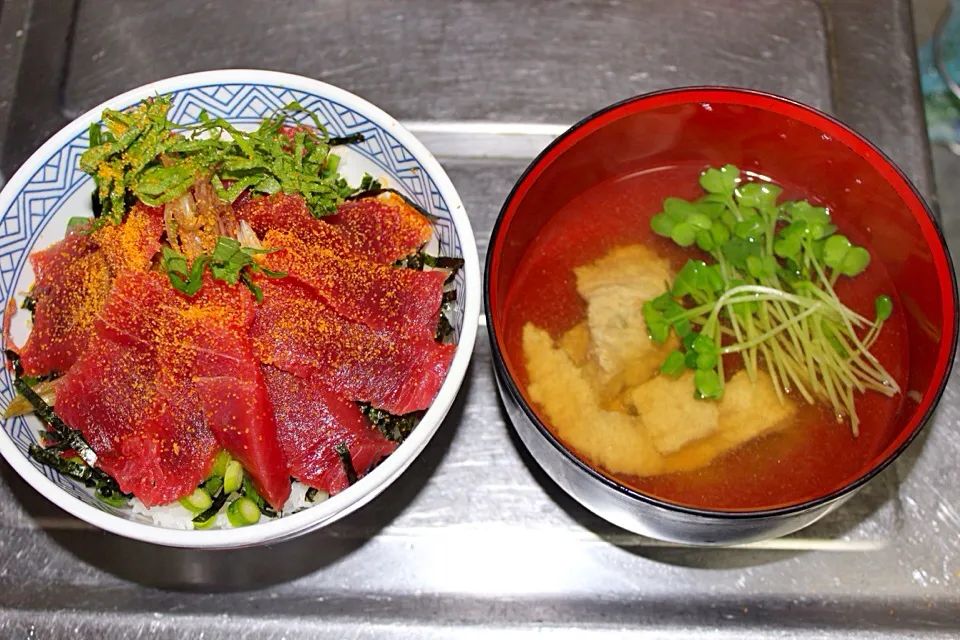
(176, 516)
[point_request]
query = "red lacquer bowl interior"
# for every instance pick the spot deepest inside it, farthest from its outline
(772, 136)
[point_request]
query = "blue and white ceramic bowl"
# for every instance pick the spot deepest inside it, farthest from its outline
(50, 188)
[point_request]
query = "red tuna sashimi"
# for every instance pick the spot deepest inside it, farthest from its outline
(167, 381)
(238, 411)
(403, 302)
(73, 279)
(312, 421)
(206, 338)
(295, 331)
(289, 213)
(133, 399)
(382, 228)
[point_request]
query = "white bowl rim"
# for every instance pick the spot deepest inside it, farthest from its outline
(380, 478)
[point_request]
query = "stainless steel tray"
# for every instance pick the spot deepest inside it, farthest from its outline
(474, 539)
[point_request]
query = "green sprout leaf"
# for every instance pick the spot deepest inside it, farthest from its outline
(855, 261)
(758, 194)
(720, 233)
(835, 249)
(707, 384)
(884, 307)
(721, 181)
(657, 326)
(749, 228)
(705, 345)
(736, 251)
(662, 224)
(679, 208)
(803, 211)
(706, 361)
(699, 221)
(673, 365)
(684, 234)
(705, 240)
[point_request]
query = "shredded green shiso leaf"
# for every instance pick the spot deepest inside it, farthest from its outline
(141, 155)
(769, 292)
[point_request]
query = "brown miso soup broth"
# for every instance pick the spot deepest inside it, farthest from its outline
(811, 456)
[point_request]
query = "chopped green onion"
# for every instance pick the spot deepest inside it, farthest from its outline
(205, 519)
(249, 491)
(242, 512)
(109, 494)
(213, 484)
(233, 477)
(220, 463)
(198, 501)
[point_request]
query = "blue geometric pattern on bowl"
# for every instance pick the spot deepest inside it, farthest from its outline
(241, 104)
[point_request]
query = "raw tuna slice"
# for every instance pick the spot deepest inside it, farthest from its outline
(131, 395)
(382, 228)
(289, 213)
(73, 279)
(238, 411)
(296, 332)
(166, 382)
(402, 302)
(312, 421)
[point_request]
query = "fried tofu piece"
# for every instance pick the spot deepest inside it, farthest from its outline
(748, 410)
(751, 409)
(615, 288)
(576, 343)
(614, 441)
(672, 415)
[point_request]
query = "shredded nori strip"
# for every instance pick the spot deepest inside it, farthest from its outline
(353, 138)
(311, 494)
(347, 461)
(35, 380)
(395, 428)
(51, 457)
(417, 261)
(107, 489)
(29, 303)
(72, 437)
(218, 501)
(444, 328)
(63, 438)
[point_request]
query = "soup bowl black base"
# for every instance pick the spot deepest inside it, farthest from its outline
(635, 512)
